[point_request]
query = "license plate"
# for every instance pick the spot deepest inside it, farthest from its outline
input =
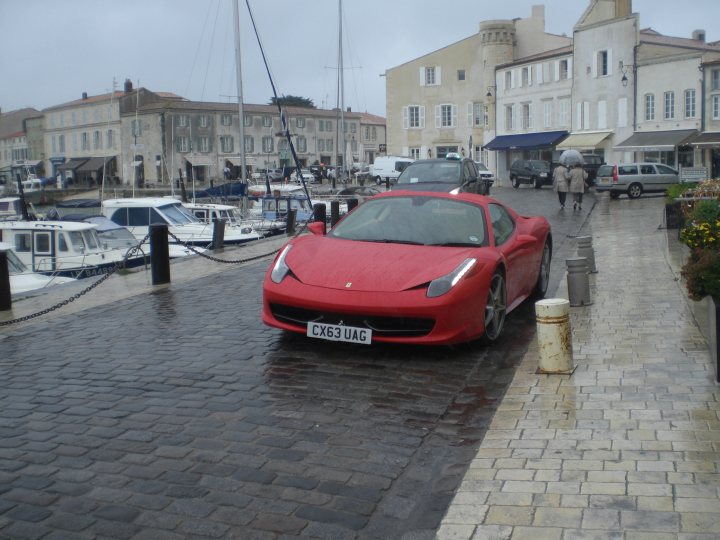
(336, 332)
(604, 181)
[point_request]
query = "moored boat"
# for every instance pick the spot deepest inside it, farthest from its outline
(22, 280)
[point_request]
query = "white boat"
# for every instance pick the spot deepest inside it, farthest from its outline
(234, 223)
(22, 280)
(11, 209)
(137, 214)
(63, 248)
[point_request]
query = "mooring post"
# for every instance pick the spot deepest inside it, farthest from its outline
(159, 254)
(320, 214)
(352, 203)
(218, 234)
(334, 212)
(5, 296)
(290, 221)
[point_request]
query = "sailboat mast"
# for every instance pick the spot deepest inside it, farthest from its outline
(341, 90)
(238, 75)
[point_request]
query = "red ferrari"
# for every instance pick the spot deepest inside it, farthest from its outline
(410, 267)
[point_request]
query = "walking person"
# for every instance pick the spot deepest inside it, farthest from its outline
(578, 184)
(561, 177)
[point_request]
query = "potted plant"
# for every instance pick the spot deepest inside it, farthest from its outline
(674, 218)
(701, 271)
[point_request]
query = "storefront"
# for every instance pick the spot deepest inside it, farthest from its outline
(541, 145)
(667, 147)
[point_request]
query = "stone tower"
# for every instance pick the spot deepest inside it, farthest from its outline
(498, 43)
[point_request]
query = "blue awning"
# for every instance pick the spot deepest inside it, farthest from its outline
(526, 141)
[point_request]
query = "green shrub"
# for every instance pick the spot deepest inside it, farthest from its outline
(678, 190)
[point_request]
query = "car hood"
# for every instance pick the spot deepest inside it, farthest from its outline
(369, 266)
(428, 186)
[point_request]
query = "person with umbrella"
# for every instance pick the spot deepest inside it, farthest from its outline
(577, 177)
(561, 175)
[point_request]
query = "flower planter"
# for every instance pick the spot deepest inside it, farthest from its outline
(674, 218)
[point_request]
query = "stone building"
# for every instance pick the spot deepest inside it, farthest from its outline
(18, 151)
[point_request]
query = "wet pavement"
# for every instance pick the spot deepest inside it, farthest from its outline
(172, 412)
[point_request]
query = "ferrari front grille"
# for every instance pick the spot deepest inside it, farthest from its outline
(381, 326)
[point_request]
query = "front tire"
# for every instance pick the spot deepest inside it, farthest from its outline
(515, 182)
(495, 308)
(543, 280)
(635, 190)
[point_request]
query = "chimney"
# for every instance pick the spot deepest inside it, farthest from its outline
(349, 109)
(84, 95)
(699, 35)
(128, 86)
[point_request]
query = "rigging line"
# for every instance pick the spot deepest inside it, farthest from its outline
(283, 120)
(207, 63)
(197, 51)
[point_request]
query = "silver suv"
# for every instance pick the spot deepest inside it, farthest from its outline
(634, 179)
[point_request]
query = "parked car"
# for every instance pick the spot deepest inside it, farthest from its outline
(358, 192)
(634, 179)
(530, 171)
(452, 173)
(388, 168)
(411, 268)
(308, 176)
(592, 163)
(484, 172)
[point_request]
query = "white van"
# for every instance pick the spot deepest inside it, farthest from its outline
(388, 168)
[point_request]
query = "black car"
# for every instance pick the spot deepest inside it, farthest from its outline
(592, 163)
(449, 174)
(530, 171)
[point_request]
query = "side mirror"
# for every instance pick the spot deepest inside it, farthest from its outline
(317, 227)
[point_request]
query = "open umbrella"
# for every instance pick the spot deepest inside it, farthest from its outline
(571, 157)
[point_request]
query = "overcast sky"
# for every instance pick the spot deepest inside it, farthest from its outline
(54, 50)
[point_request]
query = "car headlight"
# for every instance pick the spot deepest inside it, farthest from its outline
(444, 284)
(544, 175)
(280, 270)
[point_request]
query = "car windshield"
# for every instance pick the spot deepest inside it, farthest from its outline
(445, 172)
(481, 166)
(540, 165)
(414, 220)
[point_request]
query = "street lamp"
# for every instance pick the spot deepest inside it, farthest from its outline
(624, 68)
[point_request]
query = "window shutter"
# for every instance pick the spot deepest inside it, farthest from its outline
(610, 62)
(586, 115)
(422, 76)
(595, 64)
(530, 70)
(454, 116)
(437, 116)
(557, 70)
(539, 73)
(570, 68)
(512, 78)
(622, 120)
(578, 117)
(438, 75)
(422, 116)
(602, 114)
(406, 118)
(469, 114)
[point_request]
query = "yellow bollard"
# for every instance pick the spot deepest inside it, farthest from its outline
(554, 336)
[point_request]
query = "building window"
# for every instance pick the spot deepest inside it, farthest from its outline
(183, 120)
(508, 80)
(690, 103)
(321, 145)
(649, 106)
(183, 144)
(564, 70)
(61, 144)
(373, 133)
(248, 120)
(204, 120)
(446, 115)
(135, 128)
(226, 119)
(250, 144)
(415, 153)
(526, 76)
(302, 144)
(97, 140)
(603, 64)
(509, 117)
(564, 112)
(715, 79)
(669, 105)
(204, 144)
(547, 113)
(328, 125)
(415, 117)
(478, 114)
(527, 117)
(430, 76)
(227, 144)
(300, 122)
(329, 145)
(461, 74)
(84, 141)
(267, 144)
(715, 111)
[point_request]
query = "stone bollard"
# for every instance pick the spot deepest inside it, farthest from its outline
(578, 282)
(554, 336)
(605, 203)
(5, 295)
(585, 249)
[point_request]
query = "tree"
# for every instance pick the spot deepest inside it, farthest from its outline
(293, 101)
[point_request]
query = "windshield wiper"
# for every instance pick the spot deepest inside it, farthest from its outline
(456, 244)
(391, 241)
